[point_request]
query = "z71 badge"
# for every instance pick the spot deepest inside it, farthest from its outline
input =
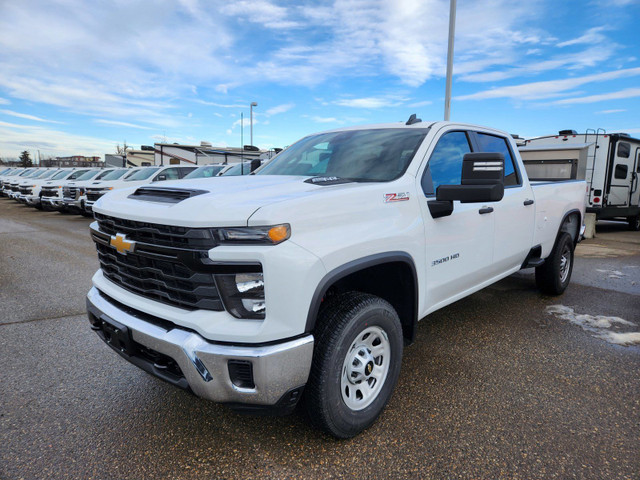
(396, 197)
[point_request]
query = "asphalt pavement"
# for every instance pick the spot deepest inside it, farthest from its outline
(497, 385)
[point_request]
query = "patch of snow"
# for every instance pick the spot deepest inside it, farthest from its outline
(601, 325)
(612, 273)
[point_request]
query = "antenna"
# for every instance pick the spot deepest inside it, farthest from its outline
(241, 143)
(452, 33)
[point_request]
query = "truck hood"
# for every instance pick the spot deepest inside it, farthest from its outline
(226, 201)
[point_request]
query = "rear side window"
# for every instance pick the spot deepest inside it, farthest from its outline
(491, 143)
(445, 163)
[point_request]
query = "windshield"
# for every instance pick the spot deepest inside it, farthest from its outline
(131, 173)
(38, 174)
(240, 169)
(88, 175)
(103, 174)
(114, 174)
(77, 174)
(375, 155)
(142, 174)
(47, 174)
(25, 173)
(205, 172)
(60, 175)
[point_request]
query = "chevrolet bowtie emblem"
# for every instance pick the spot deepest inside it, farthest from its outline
(121, 244)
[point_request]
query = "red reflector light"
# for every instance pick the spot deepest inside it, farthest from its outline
(596, 200)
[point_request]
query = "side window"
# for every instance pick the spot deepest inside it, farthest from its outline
(445, 163)
(491, 143)
(170, 174)
(624, 149)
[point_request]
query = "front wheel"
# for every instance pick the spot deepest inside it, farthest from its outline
(356, 363)
(554, 275)
(634, 223)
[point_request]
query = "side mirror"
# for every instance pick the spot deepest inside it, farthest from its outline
(482, 181)
(160, 178)
(255, 164)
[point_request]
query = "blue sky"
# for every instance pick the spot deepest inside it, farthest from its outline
(79, 77)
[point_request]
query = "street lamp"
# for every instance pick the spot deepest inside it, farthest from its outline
(253, 104)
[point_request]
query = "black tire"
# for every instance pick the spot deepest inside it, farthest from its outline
(554, 275)
(351, 320)
(634, 223)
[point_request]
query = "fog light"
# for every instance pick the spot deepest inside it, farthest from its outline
(243, 294)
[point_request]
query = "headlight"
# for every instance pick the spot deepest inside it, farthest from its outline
(269, 235)
(243, 294)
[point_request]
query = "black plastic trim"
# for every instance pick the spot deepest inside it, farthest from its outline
(353, 267)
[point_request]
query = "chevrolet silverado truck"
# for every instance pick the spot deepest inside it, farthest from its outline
(308, 277)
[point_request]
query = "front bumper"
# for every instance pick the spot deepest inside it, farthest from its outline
(52, 202)
(73, 204)
(279, 370)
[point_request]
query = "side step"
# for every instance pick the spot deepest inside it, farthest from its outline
(533, 258)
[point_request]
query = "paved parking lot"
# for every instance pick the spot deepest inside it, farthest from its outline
(496, 386)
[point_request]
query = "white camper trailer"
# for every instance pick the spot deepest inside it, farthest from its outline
(610, 163)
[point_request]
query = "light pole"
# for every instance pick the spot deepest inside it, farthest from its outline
(452, 30)
(253, 104)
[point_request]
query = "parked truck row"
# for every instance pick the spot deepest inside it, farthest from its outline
(305, 280)
(75, 190)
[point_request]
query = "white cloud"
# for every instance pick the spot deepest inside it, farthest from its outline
(420, 104)
(4, 101)
(27, 116)
(14, 138)
(280, 109)
(591, 36)
(262, 12)
(368, 102)
(121, 124)
(605, 112)
(549, 88)
(326, 120)
(626, 93)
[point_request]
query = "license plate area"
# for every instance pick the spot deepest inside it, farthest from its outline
(116, 335)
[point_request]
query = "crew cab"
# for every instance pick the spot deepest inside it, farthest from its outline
(310, 275)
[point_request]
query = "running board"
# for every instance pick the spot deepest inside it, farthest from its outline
(533, 258)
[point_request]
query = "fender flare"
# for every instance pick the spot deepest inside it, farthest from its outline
(354, 266)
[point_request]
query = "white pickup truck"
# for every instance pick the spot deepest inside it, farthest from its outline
(312, 273)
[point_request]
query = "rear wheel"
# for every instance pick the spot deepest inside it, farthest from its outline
(634, 223)
(554, 275)
(356, 363)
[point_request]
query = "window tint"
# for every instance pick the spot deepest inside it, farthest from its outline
(491, 143)
(445, 163)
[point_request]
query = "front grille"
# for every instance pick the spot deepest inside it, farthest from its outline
(69, 192)
(156, 234)
(49, 192)
(165, 280)
(14, 188)
(93, 195)
(26, 190)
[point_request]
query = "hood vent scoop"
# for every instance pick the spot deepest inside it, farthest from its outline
(165, 195)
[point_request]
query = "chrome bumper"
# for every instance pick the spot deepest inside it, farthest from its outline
(277, 369)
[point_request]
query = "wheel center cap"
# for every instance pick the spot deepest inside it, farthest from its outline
(368, 369)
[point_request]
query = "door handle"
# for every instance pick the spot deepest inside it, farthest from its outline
(528, 202)
(484, 210)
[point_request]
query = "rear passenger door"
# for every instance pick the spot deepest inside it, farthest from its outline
(514, 215)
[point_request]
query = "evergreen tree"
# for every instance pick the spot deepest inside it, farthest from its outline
(25, 159)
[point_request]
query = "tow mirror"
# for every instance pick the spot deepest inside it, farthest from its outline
(482, 180)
